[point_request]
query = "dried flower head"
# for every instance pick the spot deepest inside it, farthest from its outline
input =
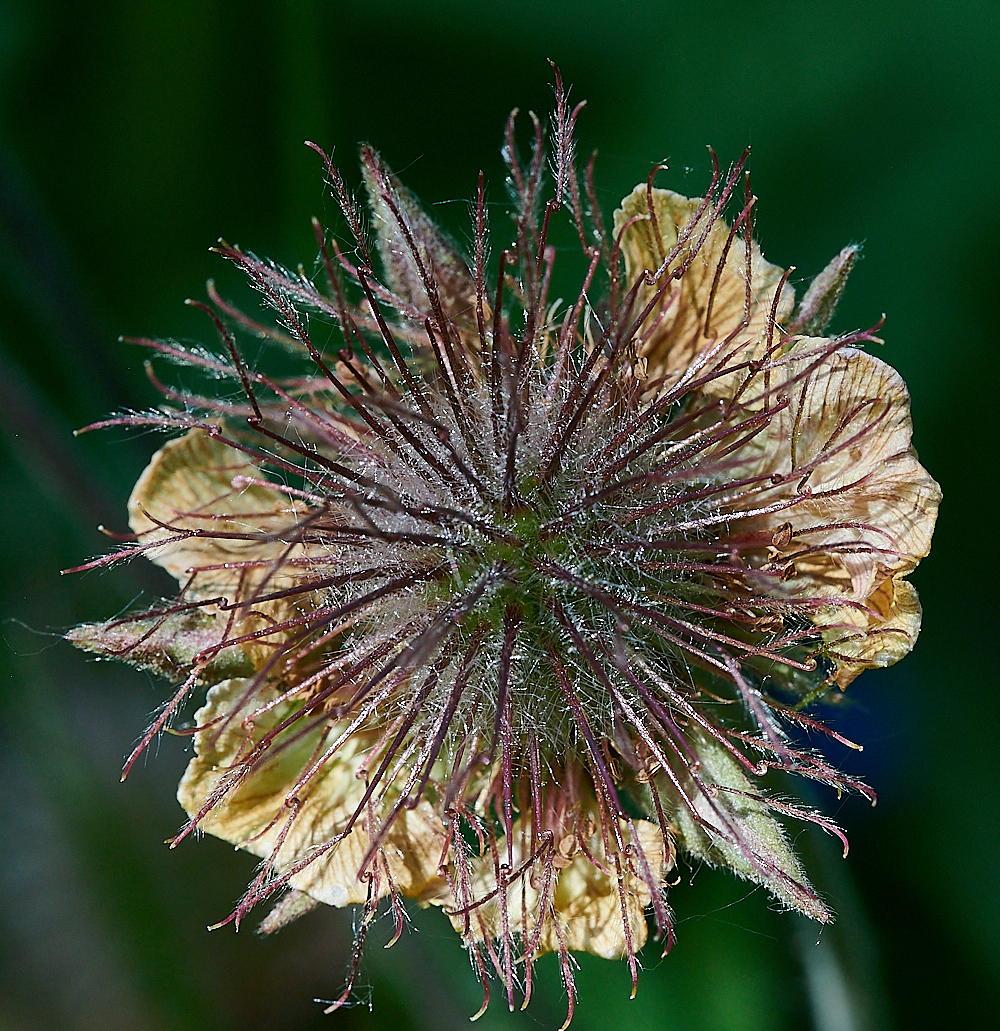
(502, 601)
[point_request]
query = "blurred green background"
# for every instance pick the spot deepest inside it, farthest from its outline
(133, 134)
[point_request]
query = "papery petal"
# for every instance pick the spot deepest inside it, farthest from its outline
(583, 903)
(188, 485)
(884, 635)
(734, 827)
(588, 903)
(675, 333)
(860, 507)
(188, 488)
(255, 812)
(845, 440)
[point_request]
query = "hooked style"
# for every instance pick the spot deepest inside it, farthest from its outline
(503, 601)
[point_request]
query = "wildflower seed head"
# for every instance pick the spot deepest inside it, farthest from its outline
(502, 601)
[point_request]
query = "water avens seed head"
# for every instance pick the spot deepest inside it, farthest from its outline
(501, 602)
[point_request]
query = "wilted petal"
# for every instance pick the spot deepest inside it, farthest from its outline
(583, 904)
(681, 326)
(843, 446)
(588, 902)
(221, 539)
(860, 507)
(256, 810)
(735, 828)
(187, 489)
(885, 631)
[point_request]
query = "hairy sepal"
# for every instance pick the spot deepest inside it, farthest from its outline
(733, 826)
